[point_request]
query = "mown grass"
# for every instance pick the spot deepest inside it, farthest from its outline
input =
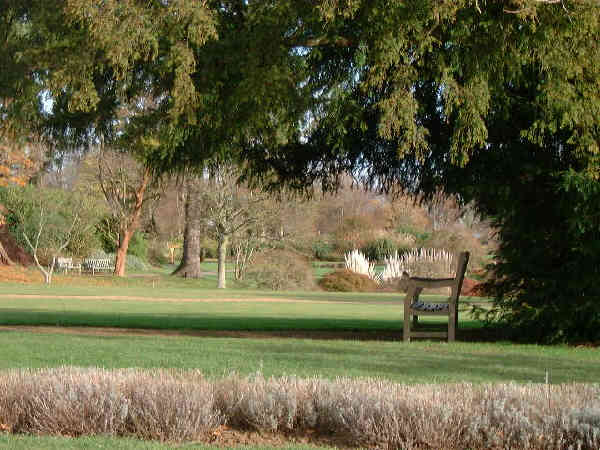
(417, 362)
(213, 314)
(21, 442)
(168, 287)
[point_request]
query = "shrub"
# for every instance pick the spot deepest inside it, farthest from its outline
(138, 246)
(322, 250)
(83, 243)
(356, 262)
(281, 270)
(347, 281)
(420, 237)
(171, 405)
(379, 249)
(107, 232)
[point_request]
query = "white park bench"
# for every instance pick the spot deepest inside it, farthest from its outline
(63, 264)
(94, 265)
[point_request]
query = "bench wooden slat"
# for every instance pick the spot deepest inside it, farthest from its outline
(97, 265)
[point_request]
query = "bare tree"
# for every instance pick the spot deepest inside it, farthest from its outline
(125, 184)
(228, 208)
(443, 210)
(48, 219)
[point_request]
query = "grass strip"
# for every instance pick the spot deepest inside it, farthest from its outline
(26, 442)
(209, 315)
(415, 363)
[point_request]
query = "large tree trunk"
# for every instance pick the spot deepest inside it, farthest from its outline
(130, 225)
(191, 259)
(121, 255)
(223, 241)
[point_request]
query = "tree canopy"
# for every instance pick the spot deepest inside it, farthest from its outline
(496, 101)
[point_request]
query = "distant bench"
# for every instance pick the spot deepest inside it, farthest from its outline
(94, 265)
(64, 264)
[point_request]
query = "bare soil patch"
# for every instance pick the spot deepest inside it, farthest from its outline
(226, 436)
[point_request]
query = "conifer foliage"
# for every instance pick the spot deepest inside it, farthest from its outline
(497, 102)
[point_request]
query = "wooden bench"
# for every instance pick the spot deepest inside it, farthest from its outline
(413, 307)
(94, 265)
(63, 264)
(66, 264)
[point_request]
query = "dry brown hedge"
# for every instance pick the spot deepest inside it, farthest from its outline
(345, 280)
(183, 405)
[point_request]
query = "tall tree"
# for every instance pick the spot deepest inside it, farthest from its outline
(497, 102)
(127, 186)
(189, 266)
(66, 72)
(227, 209)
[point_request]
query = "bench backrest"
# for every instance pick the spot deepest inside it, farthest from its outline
(62, 263)
(96, 263)
(461, 268)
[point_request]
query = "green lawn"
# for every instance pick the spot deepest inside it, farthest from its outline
(344, 314)
(169, 287)
(100, 442)
(417, 362)
(369, 314)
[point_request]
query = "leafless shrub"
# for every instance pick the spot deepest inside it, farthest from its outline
(177, 406)
(75, 402)
(281, 270)
(166, 408)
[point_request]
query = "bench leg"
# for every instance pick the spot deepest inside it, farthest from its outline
(406, 329)
(452, 326)
(407, 302)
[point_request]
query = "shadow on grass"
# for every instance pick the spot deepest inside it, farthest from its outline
(226, 326)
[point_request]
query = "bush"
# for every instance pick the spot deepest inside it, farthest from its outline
(107, 232)
(281, 270)
(181, 406)
(379, 249)
(347, 281)
(420, 237)
(322, 250)
(547, 266)
(83, 243)
(138, 246)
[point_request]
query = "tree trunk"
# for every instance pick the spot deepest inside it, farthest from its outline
(47, 277)
(47, 273)
(190, 261)
(121, 256)
(223, 241)
(130, 225)
(4, 258)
